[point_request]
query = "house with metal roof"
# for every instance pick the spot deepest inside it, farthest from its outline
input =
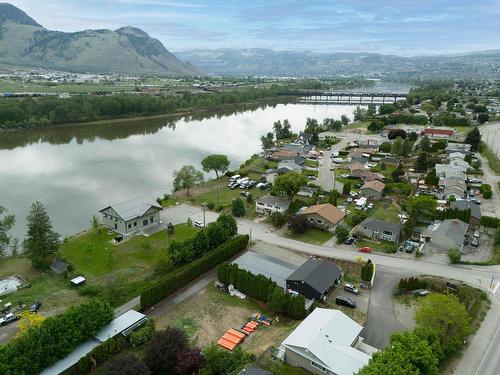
(137, 214)
(326, 342)
(314, 279)
(380, 229)
(323, 216)
(270, 204)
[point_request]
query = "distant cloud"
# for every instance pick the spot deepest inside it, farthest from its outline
(385, 26)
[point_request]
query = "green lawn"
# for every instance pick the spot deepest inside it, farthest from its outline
(54, 292)
(312, 235)
(386, 212)
(385, 246)
(89, 253)
(311, 163)
(493, 161)
(310, 173)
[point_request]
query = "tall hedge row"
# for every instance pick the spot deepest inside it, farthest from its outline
(264, 289)
(98, 356)
(191, 271)
(56, 337)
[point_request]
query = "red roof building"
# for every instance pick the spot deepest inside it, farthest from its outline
(442, 133)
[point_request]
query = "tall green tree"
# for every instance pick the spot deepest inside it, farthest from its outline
(406, 354)
(425, 144)
(445, 315)
(267, 142)
(238, 207)
(397, 146)
(289, 184)
(41, 242)
(473, 138)
(421, 163)
(186, 178)
(406, 147)
(217, 163)
(345, 120)
(7, 222)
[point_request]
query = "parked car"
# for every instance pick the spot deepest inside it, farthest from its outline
(475, 200)
(475, 242)
(198, 224)
(336, 154)
(9, 318)
(344, 301)
(477, 234)
(35, 307)
(351, 288)
(349, 240)
(366, 249)
(311, 177)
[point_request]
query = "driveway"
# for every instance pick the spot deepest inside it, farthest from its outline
(180, 213)
(382, 322)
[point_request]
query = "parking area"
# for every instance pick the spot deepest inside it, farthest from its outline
(482, 252)
(182, 212)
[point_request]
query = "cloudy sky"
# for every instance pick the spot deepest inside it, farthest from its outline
(402, 27)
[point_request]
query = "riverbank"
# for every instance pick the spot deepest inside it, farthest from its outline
(245, 106)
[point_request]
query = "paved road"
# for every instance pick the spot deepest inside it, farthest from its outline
(382, 322)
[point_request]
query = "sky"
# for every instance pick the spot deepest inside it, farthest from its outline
(399, 27)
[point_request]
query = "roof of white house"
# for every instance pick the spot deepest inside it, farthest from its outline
(133, 208)
(326, 336)
(120, 324)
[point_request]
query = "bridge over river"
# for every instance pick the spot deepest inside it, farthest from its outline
(354, 98)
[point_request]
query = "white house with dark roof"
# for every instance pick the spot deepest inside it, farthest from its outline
(270, 204)
(132, 215)
(327, 342)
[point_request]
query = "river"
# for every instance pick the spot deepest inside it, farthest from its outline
(77, 170)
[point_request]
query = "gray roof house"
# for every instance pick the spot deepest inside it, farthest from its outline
(270, 204)
(306, 191)
(314, 279)
(380, 229)
(132, 215)
(447, 234)
(475, 210)
(454, 186)
(58, 267)
(326, 342)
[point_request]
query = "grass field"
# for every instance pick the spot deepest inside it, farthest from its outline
(312, 235)
(206, 316)
(90, 252)
(493, 161)
(388, 212)
(385, 246)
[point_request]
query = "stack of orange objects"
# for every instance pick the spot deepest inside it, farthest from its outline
(231, 339)
(250, 327)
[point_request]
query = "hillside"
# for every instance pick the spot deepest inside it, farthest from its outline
(266, 62)
(23, 42)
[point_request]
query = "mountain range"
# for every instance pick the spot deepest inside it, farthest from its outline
(266, 62)
(23, 42)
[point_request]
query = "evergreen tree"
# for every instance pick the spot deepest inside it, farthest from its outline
(406, 147)
(425, 144)
(41, 242)
(421, 163)
(397, 146)
(238, 208)
(6, 224)
(473, 138)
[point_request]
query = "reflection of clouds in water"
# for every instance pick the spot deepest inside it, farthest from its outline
(76, 179)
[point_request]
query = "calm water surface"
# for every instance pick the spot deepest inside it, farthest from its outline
(77, 170)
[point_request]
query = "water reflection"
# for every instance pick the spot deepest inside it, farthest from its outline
(74, 171)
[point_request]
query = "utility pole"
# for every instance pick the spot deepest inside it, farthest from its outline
(204, 223)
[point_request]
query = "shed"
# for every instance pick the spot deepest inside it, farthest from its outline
(78, 281)
(59, 267)
(314, 279)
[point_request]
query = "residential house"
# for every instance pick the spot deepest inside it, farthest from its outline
(475, 210)
(455, 187)
(271, 174)
(283, 154)
(304, 138)
(463, 148)
(291, 165)
(306, 191)
(270, 204)
(323, 216)
(438, 133)
(455, 155)
(456, 162)
(447, 234)
(392, 161)
(372, 189)
(371, 176)
(314, 279)
(326, 342)
(380, 229)
(299, 148)
(358, 159)
(356, 169)
(132, 215)
(446, 170)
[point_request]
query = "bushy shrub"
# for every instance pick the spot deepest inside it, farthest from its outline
(53, 339)
(191, 271)
(210, 205)
(298, 224)
(143, 334)
(238, 207)
(490, 221)
(126, 364)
